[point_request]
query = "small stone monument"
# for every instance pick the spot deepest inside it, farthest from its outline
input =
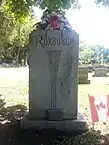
(53, 83)
(100, 72)
(90, 68)
(83, 75)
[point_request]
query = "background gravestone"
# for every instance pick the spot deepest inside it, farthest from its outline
(53, 84)
(90, 68)
(83, 75)
(100, 72)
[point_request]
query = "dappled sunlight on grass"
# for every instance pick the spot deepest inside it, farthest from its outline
(24, 91)
(84, 90)
(14, 102)
(98, 86)
(11, 112)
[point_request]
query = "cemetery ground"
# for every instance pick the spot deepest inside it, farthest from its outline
(14, 102)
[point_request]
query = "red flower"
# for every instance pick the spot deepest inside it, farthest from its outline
(53, 21)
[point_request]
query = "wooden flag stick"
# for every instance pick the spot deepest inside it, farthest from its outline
(93, 125)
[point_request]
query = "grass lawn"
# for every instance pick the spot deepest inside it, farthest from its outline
(14, 91)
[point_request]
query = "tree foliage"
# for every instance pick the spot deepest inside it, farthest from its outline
(14, 37)
(56, 4)
(18, 43)
(6, 26)
(85, 53)
(103, 2)
(93, 54)
(20, 8)
(100, 54)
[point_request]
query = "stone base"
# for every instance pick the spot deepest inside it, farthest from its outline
(84, 82)
(64, 125)
(54, 114)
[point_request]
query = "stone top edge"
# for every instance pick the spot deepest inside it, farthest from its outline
(68, 31)
(83, 66)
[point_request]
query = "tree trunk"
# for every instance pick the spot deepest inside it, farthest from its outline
(1, 2)
(18, 52)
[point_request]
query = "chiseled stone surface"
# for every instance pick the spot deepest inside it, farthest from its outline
(53, 72)
(65, 125)
(53, 80)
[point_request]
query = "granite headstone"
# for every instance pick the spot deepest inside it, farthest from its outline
(53, 81)
(100, 72)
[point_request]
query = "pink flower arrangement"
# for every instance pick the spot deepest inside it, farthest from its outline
(55, 20)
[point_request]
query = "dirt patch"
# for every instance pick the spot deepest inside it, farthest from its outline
(12, 134)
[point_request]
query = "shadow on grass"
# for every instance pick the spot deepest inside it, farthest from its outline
(11, 113)
(12, 134)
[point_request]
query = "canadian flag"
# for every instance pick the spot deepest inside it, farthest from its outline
(99, 107)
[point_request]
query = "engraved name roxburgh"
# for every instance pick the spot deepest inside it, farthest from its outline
(53, 41)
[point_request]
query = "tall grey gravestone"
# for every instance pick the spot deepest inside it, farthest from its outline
(53, 81)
